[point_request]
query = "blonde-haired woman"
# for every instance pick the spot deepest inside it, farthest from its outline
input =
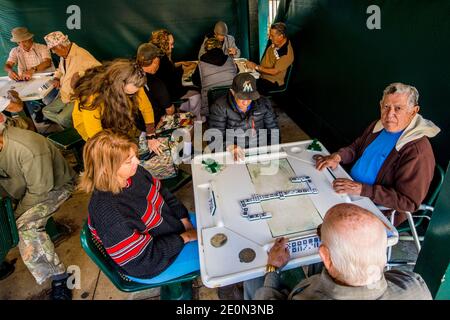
(142, 226)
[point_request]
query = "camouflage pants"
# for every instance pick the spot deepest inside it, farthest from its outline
(36, 247)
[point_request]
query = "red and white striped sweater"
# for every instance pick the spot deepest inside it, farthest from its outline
(140, 227)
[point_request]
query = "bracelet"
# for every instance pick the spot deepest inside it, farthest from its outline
(272, 268)
(150, 136)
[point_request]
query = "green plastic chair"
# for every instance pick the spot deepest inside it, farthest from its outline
(284, 87)
(69, 139)
(216, 92)
(176, 183)
(176, 289)
(9, 236)
(426, 208)
(417, 219)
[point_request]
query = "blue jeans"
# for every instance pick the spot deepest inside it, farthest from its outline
(186, 262)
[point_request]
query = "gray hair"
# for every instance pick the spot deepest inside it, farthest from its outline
(280, 27)
(357, 251)
(398, 87)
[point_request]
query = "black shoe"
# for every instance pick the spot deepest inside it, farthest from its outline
(6, 269)
(60, 291)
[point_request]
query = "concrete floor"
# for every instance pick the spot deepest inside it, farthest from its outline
(94, 284)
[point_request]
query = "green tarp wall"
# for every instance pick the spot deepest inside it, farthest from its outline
(433, 263)
(115, 28)
(342, 67)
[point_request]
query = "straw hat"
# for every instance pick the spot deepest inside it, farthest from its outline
(21, 34)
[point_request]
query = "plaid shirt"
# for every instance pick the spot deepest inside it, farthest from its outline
(27, 60)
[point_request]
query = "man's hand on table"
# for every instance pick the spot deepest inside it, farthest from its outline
(343, 185)
(279, 254)
(56, 83)
(237, 152)
(331, 161)
(232, 52)
(340, 185)
(250, 65)
(27, 75)
(14, 76)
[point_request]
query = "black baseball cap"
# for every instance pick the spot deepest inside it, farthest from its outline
(244, 87)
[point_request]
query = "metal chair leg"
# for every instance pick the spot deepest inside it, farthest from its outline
(413, 230)
(389, 253)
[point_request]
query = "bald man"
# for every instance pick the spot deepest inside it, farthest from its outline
(353, 251)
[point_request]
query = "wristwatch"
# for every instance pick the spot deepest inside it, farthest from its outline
(272, 268)
(150, 136)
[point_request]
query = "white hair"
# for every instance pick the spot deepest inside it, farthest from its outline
(358, 255)
(398, 87)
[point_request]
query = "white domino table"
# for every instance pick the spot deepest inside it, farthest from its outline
(38, 87)
(266, 175)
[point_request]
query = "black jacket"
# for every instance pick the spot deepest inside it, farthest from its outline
(172, 78)
(224, 115)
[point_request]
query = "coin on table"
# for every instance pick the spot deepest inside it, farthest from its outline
(218, 240)
(247, 255)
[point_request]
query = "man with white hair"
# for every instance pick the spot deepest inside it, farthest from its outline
(38, 179)
(392, 162)
(73, 63)
(353, 250)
